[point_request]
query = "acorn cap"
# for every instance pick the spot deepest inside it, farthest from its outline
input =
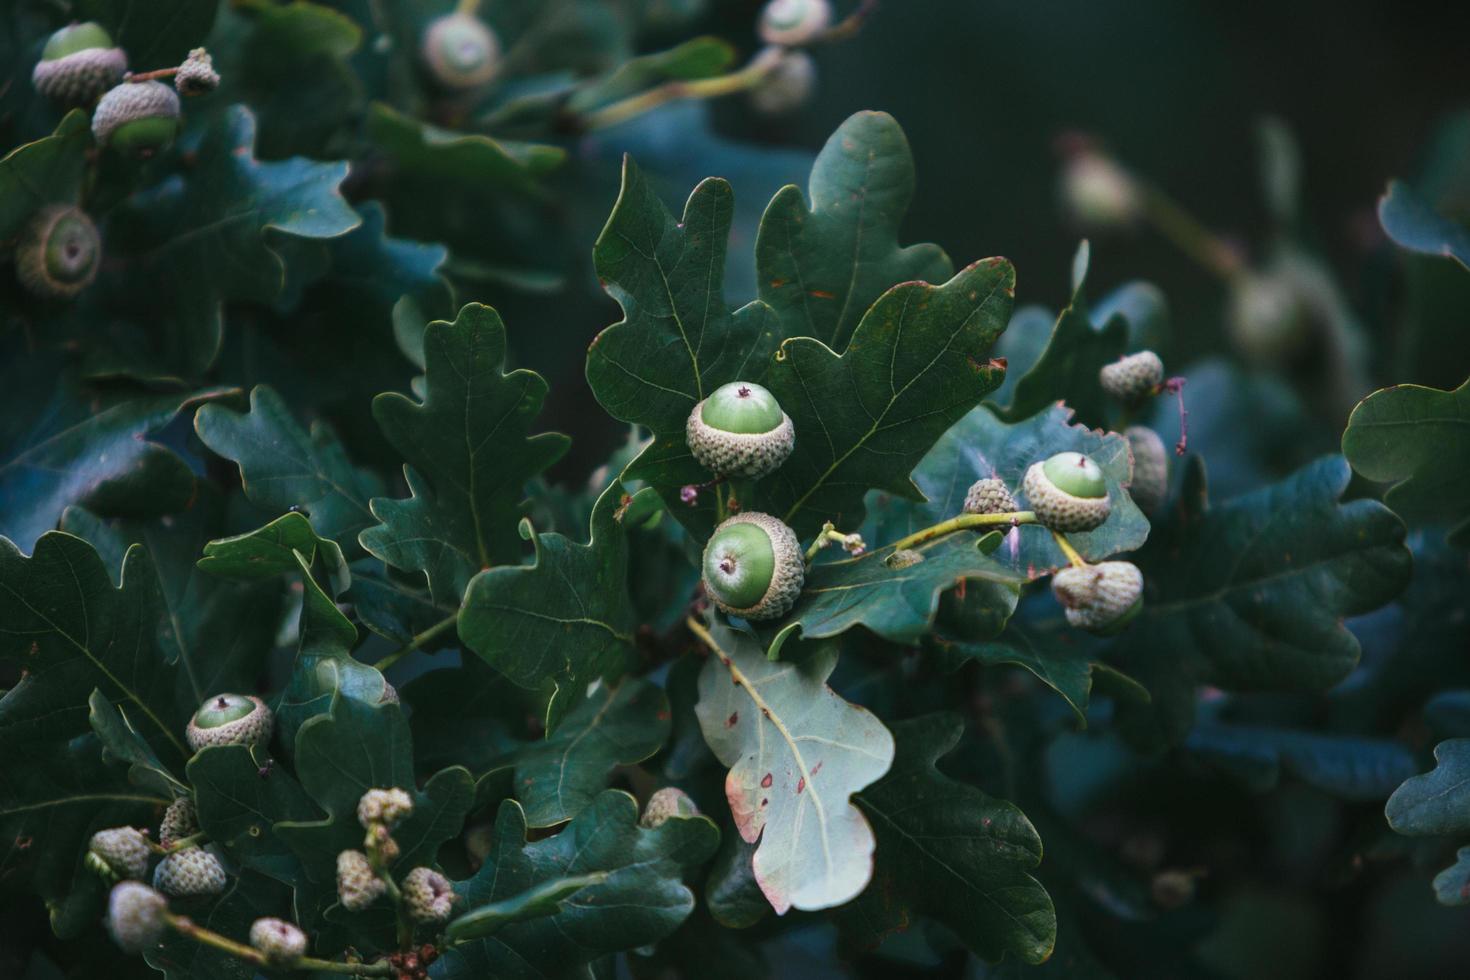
(990, 496)
(1102, 598)
(230, 719)
(137, 118)
(124, 849)
(179, 821)
(135, 916)
(282, 942)
(460, 51)
(189, 873)
(428, 895)
(78, 64)
(1067, 492)
(740, 431)
(794, 22)
(58, 252)
(1132, 377)
(196, 75)
(753, 567)
(1150, 483)
(787, 85)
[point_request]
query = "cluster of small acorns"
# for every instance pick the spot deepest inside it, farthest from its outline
(59, 250)
(754, 566)
(138, 915)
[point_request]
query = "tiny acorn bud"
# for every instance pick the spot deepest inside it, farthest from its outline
(1150, 484)
(740, 430)
(1270, 315)
(1067, 492)
(1097, 193)
(78, 64)
(428, 895)
(123, 850)
(1101, 598)
(137, 118)
(754, 567)
(793, 23)
(357, 884)
(189, 873)
(282, 942)
(179, 821)
(196, 76)
(1133, 377)
(384, 807)
(665, 804)
(787, 85)
(58, 252)
(230, 719)
(460, 51)
(990, 496)
(136, 916)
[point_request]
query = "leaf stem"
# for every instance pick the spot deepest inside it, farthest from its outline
(193, 840)
(189, 929)
(417, 641)
(1072, 556)
(701, 88)
(964, 522)
(1190, 235)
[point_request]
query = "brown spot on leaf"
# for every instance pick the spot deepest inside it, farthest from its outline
(821, 294)
(730, 721)
(801, 784)
(766, 781)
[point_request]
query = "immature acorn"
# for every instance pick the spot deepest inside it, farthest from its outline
(1067, 492)
(358, 886)
(124, 851)
(787, 85)
(990, 496)
(460, 51)
(1133, 377)
(383, 806)
(137, 118)
(78, 64)
(230, 719)
(135, 916)
(189, 873)
(1150, 483)
(740, 431)
(1098, 193)
(795, 22)
(196, 76)
(58, 252)
(754, 567)
(282, 942)
(1102, 598)
(427, 895)
(1270, 313)
(179, 821)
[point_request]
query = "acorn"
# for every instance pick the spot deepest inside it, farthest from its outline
(428, 895)
(78, 64)
(1150, 483)
(753, 567)
(787, 85)
(460, 52)
(137, 118)
(58, 252)
(1067, 492)
(196, 76)
(137, 916)
(1097, 193)
(230, 719)
(740, 431)
(990, 496)
(1133, 377)
(793, 23)
(190, 873)
(1101, 598)
(282, 942)
(122, 850)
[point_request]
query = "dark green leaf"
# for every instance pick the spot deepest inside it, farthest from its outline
(796, 753)
(239, 797)
(821, 269)
(642, 899)
(440, 159)
(470, 453)
(247, 897)
(1419, 440)
(947, 850)
(1358, 769)
(121, 742)
(1064, 669)
(1438, 801)
(919, 360)
(155, 33)
(1411, 222)
(48, 170)
(700, 57)
(544, 899)
(1452, 885)
(270, 551)
(559, 624)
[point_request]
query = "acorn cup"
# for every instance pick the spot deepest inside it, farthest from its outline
(230, 719)
(754, 567)
(1067, 492)
(78, 64)
(740, 431)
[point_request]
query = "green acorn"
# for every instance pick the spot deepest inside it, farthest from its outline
(78, 64)
(740, 431)
(190, 873)
(793, 23)
(282, 942)
(230, 719)
(58, 252)
(787, 85)
(1150, 483)
(1133, 377)
(1067, 492)
(136, 916)
(137, 118)
(123, 850)
(753, 567)
(1101, 598)
(427, 895)
(990, 496)
(665, 804)
(460, 52)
